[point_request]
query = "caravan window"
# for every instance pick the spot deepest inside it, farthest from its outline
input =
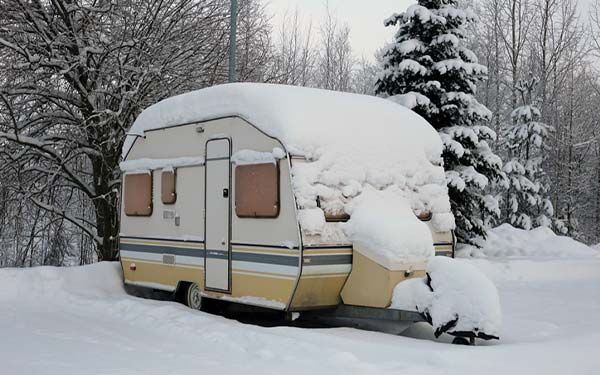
(138, 194)
(257, 190)
(337, 217)
(168, 193)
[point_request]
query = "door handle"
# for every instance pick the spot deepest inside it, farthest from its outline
(223, 242)
(225, 193)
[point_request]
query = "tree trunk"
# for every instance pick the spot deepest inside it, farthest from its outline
(108, 228)
(105, 206)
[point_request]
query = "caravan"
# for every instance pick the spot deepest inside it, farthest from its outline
(256, 194)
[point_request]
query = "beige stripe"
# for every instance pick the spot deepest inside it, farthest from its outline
(260, 274)
(265, 251)
(164, 243)
(327, 251)
(325, 275)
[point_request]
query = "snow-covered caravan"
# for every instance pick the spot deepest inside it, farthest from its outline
(282, 197)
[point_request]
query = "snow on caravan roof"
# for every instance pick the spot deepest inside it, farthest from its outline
(302, 118)
(351, 140)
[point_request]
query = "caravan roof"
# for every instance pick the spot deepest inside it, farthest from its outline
(351, 141)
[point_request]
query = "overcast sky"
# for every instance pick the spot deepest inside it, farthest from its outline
(365, 18)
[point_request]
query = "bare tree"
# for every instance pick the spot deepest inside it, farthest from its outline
(335, 60)
(76, 76)
(294, 54)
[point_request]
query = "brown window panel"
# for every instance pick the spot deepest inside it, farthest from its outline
(138, 194)
(337, 217)
(168, 193)
(257, 190)
(424, 216)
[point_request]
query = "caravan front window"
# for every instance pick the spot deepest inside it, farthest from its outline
(138, 194)
(168, 179)
(257, 190)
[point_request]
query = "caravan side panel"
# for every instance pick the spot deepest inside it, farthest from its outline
(265, 253)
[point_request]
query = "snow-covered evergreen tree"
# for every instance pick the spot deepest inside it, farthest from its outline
(430, 68)
(527, 205)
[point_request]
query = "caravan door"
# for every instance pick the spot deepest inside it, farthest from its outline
(217, 221)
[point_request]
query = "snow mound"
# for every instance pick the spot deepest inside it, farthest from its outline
(412, 294)
(506, 240)
(463, 299)
(386, 228)
(98, 280)
(349, 141)
(312, 220)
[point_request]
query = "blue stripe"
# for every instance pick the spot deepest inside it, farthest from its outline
(283, 260)
(327, 260)
(185, 251)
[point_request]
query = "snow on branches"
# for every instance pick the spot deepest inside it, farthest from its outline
(527, 202)
(428, 69)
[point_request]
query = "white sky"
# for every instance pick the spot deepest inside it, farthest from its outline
(365, 18)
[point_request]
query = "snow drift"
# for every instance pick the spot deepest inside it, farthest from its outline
(506, 240)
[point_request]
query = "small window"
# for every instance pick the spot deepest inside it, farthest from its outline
(138, 194)
(333, 217)
(337, 217)
(168, 193)
(257, 190)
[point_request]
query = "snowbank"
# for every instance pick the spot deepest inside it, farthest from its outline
(349, 141)
(463, 298)
(387, 230)
(506, 240)
(96, 281)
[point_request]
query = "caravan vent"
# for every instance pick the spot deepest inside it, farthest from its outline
(168, 214)
(168, 259)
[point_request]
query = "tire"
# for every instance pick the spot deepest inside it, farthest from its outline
(193, 297)
(461, 341)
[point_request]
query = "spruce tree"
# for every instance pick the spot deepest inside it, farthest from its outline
(430, 67)
(527, 204)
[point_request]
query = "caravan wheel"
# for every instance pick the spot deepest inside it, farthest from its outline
(193, 298)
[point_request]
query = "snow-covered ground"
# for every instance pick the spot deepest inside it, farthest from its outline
(80, 321)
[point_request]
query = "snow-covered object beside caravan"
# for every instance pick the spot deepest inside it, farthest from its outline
(461, 300)
(349, 141)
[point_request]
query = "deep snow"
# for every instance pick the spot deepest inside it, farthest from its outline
(80, 321)
(508, 241)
